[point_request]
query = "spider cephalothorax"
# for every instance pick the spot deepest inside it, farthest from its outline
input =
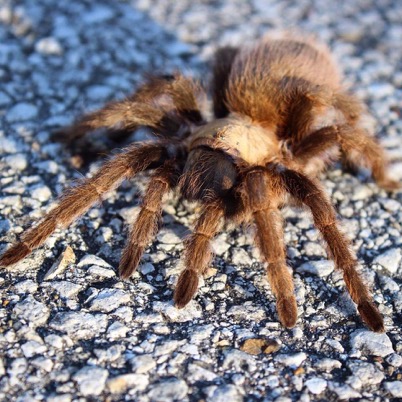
(281, 115)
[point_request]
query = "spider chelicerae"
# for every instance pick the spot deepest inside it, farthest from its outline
(281, 115)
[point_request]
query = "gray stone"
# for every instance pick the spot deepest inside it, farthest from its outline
(80, 325)
(367, 373)
(66, 289)
(108, 300)
(49, 46)
(32, 311)
(90, 259)
(17, 162)
(316, 385)
(247, 311)
(40, 192)
(343, 391)
(21, 112)
(226, 393)
(142, 364)
(390, 260)
(291, 360)
(91, 380)
(32, 348)
(321, 268)
(168, 390)
(371, 343)
(394, 388)
(122, 383)
(188, 313)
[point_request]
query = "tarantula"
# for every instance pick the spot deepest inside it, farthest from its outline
(281, 115)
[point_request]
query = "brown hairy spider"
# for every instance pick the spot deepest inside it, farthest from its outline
(281, 116)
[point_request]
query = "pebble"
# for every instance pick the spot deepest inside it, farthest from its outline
(49, 46)
(108, 300)
(367, 373)
(142, 364)
(390, 260)
(322, 268)
(122, 383)
(316, 385)
(40, 192)
(117, 330)
(80, 325)
(27, 286)
(238, 361)
(291, 360)
(90, 259)
(66, 258)
(95, 270)
(17, 162)
(226, 393)
(32, 311)
(394, 388)
(66, 289)
(32, 348)
(168, 390)
(343, 391)
(240, 257)
(247, 311)
(91, 380)
(22, 112)
(371, 343)
(169, 311)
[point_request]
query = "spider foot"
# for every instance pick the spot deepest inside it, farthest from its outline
(371, 316)
(186, 287)
(287, 311)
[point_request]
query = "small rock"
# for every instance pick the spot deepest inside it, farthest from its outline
(49, 46)
(371, 343)
(328, 365)
(247, 311)
(168, 390)
(394, 388)
(291, 360)
(390, 259)
(17, 162)
(367, 373)
(22, 112)
(66, 289)
(79, 325)
(322, 268)
(344, 391)
(32, 348)
(66, 258)
(27, 286)
(316, 385)
(257, 346)
(146, 268)
(225, 393)
(394, 360)
(91, 380)
(43, 363)
(122, 383)
(168, 237)
(32, 311)
(40, 192)
(238, 360)
(95, 270)
(90, 259)
(142, 363)
(117, 330)
(240, 257)
(188, 313)
(108, 300)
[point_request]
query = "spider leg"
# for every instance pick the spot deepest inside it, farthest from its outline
(77, 200)
(198, 253)
(309, 193)
(263, 204)
(222, 66)
(163, 103)
(163, 180)
(358, 147)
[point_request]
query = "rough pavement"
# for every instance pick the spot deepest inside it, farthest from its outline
(74, 330)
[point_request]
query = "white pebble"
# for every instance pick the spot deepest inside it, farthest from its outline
(390, 259)
(316, 385)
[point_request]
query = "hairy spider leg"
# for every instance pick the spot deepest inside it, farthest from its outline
(263, 203)
(310, 194)
(198, 252)
(142, 231)
(76, 200)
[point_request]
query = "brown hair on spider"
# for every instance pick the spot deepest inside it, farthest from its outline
(281, 115)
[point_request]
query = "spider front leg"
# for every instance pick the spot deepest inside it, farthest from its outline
(309, 193)
(263, 203)
(198, 253)
(75, 201)
(145, 228)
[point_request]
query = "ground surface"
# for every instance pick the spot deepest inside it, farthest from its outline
(83, 333)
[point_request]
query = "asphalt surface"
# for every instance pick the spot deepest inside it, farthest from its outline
(71, 330)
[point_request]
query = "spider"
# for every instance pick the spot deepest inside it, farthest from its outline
(281, 115)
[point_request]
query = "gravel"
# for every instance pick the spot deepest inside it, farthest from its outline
(70, 329)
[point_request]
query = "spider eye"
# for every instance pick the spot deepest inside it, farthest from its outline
(208, 174)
